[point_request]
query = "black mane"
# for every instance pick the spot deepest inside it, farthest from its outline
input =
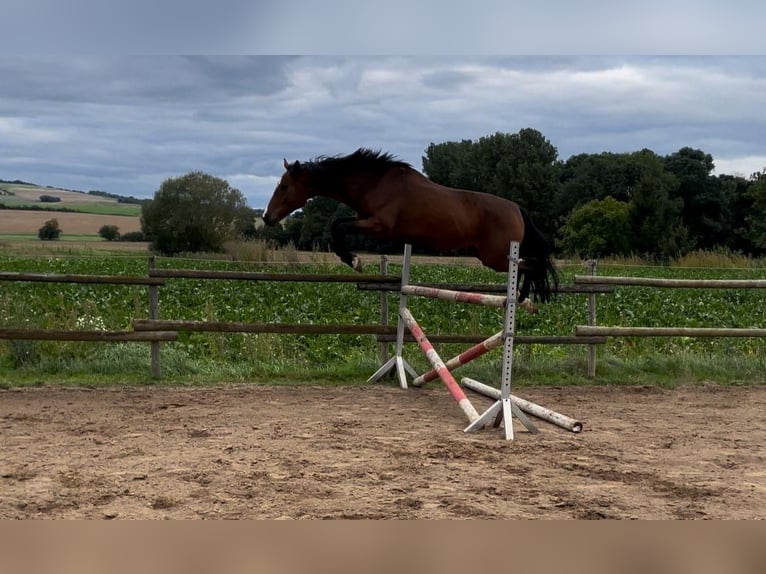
(362, 160)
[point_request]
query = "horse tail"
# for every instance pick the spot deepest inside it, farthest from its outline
(539, 271)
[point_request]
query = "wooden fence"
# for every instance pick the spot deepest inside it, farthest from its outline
(154, 330)
(592, 330)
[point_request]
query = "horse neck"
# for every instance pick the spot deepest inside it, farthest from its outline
(348, 189)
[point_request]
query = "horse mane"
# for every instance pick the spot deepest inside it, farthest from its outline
(364, 160)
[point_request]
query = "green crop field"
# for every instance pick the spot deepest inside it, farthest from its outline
(210, 356)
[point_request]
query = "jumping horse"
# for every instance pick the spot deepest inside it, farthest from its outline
(393, 201)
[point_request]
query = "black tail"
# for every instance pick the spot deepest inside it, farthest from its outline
(536, 270)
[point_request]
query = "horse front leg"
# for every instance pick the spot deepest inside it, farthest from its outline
(344, 226)
(339, 229)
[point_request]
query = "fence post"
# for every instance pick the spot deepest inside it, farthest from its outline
(383, 346)
(591, 265)
(154, 314)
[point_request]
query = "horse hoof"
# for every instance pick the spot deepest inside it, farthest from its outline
(528, 306)
(356, 263)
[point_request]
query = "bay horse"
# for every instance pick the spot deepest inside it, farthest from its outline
(393, 201)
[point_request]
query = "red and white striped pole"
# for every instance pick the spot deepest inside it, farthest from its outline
(438, 365)
(466, 356)
(449, 295)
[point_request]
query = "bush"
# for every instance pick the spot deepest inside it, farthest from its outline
(50, 230)
(133, 236)
(109, 232)
(49, 199)
(194, 213)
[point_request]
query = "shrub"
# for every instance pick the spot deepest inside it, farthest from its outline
(194, 213)
(109, 232)
(50, 230)
(133, 236)
(49, 199)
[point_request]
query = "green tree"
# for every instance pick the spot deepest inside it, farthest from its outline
(598, 228)
(50, 230)
(740, 202)
(109, 232)
(706, 211)
(757, 219)
(453, 164)
(522, 167)
(655, 213)
(586, 177)
(318, 214)
(192, 213)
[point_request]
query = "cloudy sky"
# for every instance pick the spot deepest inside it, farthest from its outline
(125, 123)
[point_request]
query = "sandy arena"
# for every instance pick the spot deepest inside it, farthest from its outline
(310, 452)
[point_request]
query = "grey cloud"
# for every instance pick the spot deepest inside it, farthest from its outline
(124, 124)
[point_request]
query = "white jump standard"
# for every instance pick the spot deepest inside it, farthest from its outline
(506, 405)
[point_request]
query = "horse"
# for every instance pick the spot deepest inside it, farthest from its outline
(393, 201)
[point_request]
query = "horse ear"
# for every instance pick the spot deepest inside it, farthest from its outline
(292, 168)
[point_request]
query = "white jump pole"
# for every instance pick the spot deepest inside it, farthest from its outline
(528, 407)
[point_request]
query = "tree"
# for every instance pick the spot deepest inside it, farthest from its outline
(318, 214)
(598, 228)
(192, 213)
(654, 213)
(740, 202)
(453, 164)
(49, 231)
(522, 167)
(706, 211)
(757, 221)
(109, 232)
(585, 177)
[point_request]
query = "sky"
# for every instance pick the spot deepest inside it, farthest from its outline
(77, 112)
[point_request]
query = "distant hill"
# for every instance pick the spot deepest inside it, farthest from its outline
(5, 183)
(16, 181)
(23, 195)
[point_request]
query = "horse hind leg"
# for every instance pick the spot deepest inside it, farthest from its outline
(522, 295)
(497, 259)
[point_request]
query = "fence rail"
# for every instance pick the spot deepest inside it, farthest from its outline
(693, 332)
(681, 283)
(284, 328)
(153, 330)
(95, 336)
(587, 330)
(253, 276)
(68, 278)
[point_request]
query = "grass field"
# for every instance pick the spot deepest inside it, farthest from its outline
(204, 357)
(19, 227)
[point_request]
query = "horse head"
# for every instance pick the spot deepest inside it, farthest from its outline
(290, 194)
